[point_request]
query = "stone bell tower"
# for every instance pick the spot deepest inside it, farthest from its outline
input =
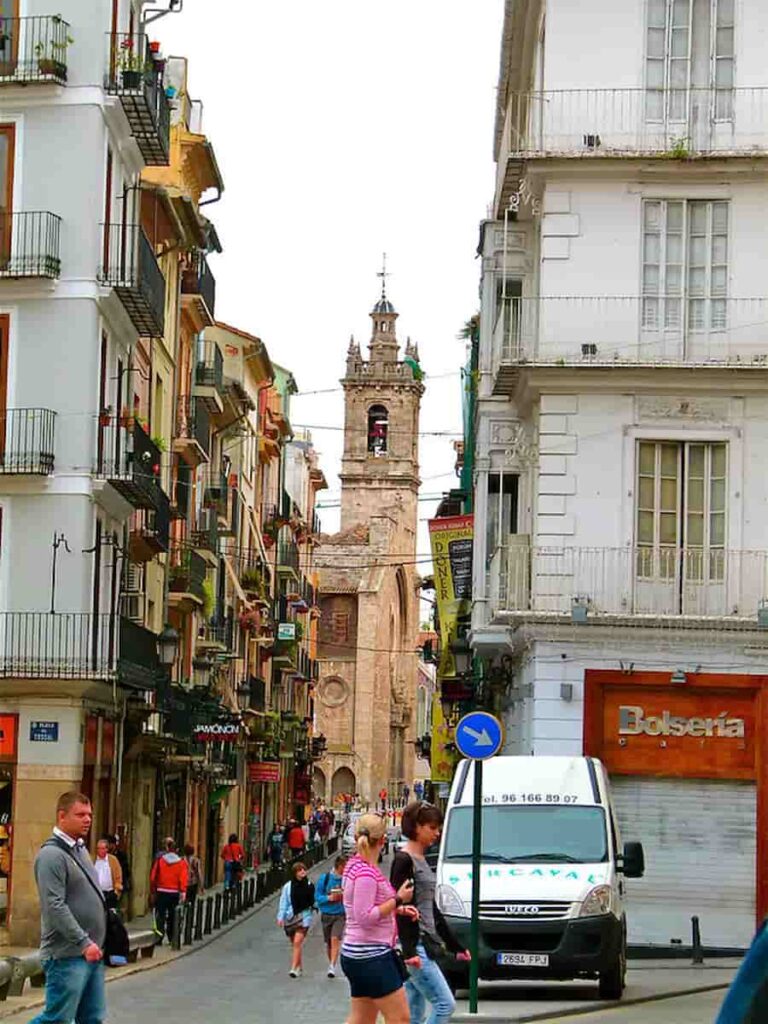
(382, 399)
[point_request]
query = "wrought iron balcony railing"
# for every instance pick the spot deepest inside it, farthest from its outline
(287, 554)
(193, 429)
(627, 122)
(151, 529)
(628, 581)
(138, 664)
(58, 645)
(199, 285)
(129, 459)
(27, 441)
(34, 49)
(136, 77)
(131, 268)
(187, 573)
(30, 244)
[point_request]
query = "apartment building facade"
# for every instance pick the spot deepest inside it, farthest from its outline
(620, 556)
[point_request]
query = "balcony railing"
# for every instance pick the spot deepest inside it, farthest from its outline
(193, 428)
(287, 554)
(34, 49)
(138, 664)
(130, 460)
(151, 529)
(209, 375)
(205, 536)
(199, 285)
(48, 645)
(215, 491)
(627, 122)
(187, 574)
(136, 77)
(131, 268)
(30, 244)
(27, 441)
(625, 330)
(218, 633)
(258, 695)
(629, 581)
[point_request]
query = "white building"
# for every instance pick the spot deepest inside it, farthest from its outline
(622, 432)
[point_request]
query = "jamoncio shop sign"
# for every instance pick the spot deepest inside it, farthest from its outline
(217, 732)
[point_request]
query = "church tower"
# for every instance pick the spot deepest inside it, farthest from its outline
(382, 399)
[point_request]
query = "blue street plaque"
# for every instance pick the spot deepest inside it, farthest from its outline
(479, 735)
(44, 732)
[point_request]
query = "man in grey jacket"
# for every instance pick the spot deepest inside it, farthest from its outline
(73, 919)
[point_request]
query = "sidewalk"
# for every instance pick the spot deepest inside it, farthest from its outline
(647, 981)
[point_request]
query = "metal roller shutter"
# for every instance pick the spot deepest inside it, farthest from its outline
(700, 849)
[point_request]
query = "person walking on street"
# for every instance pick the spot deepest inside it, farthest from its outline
(73, 919)
(294, 913)
(430, 941)
(116, 849)
(275, 846)
(295, 839)
(109, 873)
(233, 856)
(168, 885)
(383, 799)
(328, 896)
(368, 958)
(194, 875)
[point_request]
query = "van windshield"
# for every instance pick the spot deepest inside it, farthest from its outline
(564, 835)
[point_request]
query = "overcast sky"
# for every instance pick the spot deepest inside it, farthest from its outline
(345, 128)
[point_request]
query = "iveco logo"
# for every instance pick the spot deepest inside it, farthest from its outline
(520, 909)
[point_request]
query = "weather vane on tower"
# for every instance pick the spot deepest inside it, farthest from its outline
(383, 274)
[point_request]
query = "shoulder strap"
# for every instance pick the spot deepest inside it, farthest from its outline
(55, 841)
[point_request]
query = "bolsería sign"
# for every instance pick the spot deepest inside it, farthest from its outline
(634, 722)
(217, 732)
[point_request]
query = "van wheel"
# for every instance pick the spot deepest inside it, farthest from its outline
(611, 982)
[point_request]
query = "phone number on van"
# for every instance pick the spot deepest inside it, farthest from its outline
(531, 798)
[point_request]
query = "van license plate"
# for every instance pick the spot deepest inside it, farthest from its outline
(522, 960)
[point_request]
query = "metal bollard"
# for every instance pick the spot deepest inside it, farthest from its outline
(239, 899)
(252, 892)
(208, 926)
(217, 911)
(225, 906)
(697, 948)
(178, 923)
(198, 920)
(189, 920)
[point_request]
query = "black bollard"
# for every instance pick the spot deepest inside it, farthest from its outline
(208, 927)
(697, 948)
(178, 923)
(239, 902)
(189, 920)
(225, 906)
(217, 911)
(252, 891)
(198, 920)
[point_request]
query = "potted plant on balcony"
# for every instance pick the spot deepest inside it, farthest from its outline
(131, 64)
(51, 53)
(250, 620)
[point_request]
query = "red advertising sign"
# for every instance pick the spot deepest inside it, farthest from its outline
(8, 726)
(217, 732)
(264, 771)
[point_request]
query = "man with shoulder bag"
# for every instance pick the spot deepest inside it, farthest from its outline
(73, 919)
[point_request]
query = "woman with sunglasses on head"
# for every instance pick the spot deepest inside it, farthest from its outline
(368, 958)
(428, 941)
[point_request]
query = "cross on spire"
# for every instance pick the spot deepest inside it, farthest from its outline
(383, 274)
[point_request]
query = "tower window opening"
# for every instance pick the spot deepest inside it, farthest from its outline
(378, 427)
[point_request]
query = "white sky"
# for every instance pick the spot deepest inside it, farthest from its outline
(344, 128)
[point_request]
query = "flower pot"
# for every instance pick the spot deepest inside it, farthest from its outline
(154, 46)
(53, 68)
(131, 79)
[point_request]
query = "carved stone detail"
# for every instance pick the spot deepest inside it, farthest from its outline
(516, 440)
(662, 407)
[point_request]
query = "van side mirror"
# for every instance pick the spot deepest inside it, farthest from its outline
(633, 861)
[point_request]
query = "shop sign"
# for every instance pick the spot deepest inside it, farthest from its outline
(217, 732)
(264, 771)
(633, 721)
(286, 631)
(8, 724)
(44, 732)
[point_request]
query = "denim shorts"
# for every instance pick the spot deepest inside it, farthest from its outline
(374, 977)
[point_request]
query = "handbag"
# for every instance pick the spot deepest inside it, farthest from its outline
(293, 924)
(402, 966)
(116, 944)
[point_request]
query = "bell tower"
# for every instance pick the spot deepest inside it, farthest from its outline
(382, 399)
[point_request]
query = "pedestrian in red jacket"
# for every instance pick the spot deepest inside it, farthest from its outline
(168, 886)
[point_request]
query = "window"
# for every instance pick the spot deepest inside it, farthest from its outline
(378, 429)
(502, 509)
(509, 309)
(685, 265)
(7, 142)
(681, 490)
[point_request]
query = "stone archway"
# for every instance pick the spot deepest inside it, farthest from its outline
(343, 782)
(318, 783)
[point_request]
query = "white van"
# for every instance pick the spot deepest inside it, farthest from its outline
(551, 888)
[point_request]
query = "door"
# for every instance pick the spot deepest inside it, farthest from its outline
(9, 37)
(700, 855)
(7, 145)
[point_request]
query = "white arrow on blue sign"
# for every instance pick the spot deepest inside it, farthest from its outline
(479, 735)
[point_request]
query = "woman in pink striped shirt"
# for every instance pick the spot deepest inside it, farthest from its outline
(374, 971)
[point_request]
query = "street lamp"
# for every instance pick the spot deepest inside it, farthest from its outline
(243, 693)
(462, 654)
(168, 646)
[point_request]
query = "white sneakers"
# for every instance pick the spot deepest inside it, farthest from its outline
(295, 972)
(331, 971)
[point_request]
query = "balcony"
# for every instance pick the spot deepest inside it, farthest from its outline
(151, 529)
(673, 123)
(30, 245)
(138, 666)
(137, 79)
(34, 50)
(609, 333)
(128, 461)
(229, 516)
(287, 555)
(216, 636)
(27, 442)
(634, 583)
(48, 645)
(208, 387)
(192, 440)
(186, 591)
(131, 268)
(198, 291)
(205, 536)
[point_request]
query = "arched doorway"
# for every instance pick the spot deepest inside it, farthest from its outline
(343, 783)
(318, 784)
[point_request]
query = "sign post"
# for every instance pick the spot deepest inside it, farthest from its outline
(478, 737)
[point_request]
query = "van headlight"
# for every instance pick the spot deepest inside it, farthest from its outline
(598, 901)
(449, 902)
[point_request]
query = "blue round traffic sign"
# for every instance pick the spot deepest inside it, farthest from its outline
(479, 735)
